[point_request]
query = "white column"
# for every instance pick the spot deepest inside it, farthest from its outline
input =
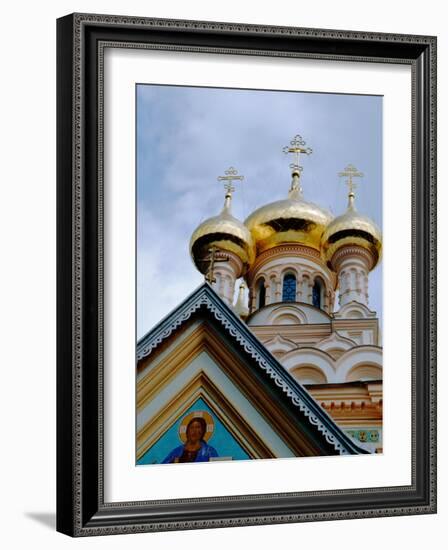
(272, 290)
(299, 289)
(268, 290)
(327, 300)
(252, 299)
(226, 274)
(278, 288)
(307, 290)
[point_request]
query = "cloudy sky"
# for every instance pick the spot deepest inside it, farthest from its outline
(188, 136)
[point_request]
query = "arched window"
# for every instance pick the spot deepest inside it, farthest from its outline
(364, 373)
(289, 288)
(309, 374)
(317, 293)
(261, 293)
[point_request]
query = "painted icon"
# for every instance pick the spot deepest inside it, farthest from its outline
(194, 431)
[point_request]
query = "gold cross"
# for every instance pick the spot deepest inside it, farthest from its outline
(213, 258)
(297, 147)
(231, 174)
(350, 172)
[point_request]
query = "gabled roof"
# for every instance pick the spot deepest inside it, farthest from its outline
(204, 299)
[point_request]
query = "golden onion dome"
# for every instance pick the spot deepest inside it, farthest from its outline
(292, 220)
(352, 228)
(227, 234)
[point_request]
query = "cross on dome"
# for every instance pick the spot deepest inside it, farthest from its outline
(297, 147)
(213, 257)
(231, 174)
(350, 172)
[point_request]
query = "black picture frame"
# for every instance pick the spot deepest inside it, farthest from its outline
(81, 510)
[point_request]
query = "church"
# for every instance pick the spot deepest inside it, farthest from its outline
(277, 354)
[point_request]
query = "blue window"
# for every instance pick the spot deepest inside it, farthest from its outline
(317, 294)
(289, 288)
(261, 294)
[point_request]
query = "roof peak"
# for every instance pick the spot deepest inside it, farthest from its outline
(297, 398)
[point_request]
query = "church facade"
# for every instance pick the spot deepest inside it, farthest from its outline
(293, 365)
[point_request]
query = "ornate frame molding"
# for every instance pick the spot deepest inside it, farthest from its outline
(81, 41)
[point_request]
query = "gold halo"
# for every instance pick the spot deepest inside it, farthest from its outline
(210, 424)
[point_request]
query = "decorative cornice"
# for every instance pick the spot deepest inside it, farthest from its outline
(234, 264)
(352, 251)
(282, 251)
(341, 313)
(335, 338)
(278, 339)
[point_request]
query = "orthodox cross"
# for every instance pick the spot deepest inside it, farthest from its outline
(297, 147)
(350, 172)
(213, 257)
(231, 174)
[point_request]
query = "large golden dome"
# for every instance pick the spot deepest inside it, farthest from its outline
(352, 229)
(226, 233)
(292, 220)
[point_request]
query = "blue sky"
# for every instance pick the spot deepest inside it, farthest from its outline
(188, 136)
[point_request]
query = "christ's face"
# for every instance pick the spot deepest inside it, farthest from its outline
(194, 431)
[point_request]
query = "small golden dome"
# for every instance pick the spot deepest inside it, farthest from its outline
(292, 220)
(225, 232)
(352, 229)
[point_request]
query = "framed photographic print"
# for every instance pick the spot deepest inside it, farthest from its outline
(246, 274)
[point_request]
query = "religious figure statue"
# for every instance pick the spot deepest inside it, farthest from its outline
(195, 448)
